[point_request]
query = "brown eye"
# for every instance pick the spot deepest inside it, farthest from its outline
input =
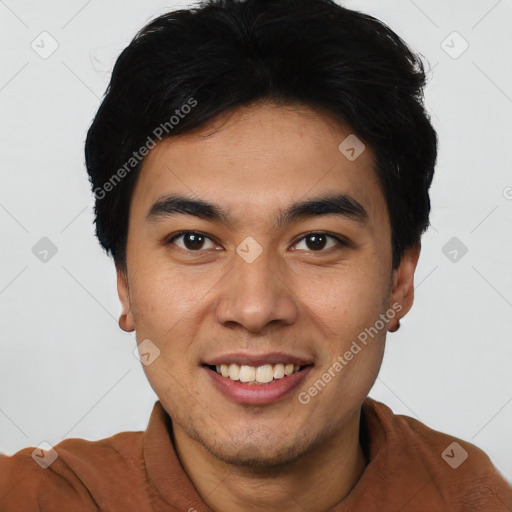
(317, 242)
(192, 241)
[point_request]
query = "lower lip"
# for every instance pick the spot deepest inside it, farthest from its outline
(258, 394)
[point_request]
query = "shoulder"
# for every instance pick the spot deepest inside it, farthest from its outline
(72, 475)
(462, 472)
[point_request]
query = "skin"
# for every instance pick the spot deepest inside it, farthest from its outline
(195, 304)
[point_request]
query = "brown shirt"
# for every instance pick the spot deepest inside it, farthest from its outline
(411, 469)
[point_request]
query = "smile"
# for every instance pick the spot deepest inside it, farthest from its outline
(263, 374)
(241, 382)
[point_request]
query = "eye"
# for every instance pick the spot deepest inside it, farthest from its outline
(318, 242)
(192, 241)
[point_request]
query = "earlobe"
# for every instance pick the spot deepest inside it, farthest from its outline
(403, 284)
(126, 322)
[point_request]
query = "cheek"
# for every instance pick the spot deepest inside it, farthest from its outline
(345, 301)
(166, 306)
(346, 305)
(162, 296)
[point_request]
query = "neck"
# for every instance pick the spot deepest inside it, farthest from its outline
(316, 481)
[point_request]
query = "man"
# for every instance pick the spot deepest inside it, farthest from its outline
(261, 172)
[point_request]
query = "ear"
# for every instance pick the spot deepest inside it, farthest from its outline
(126, 322)
(403, 283)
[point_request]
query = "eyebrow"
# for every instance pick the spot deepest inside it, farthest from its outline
(342, 205)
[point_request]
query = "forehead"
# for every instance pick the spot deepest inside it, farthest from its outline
(260, 158)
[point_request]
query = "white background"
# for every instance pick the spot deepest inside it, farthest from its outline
(67, 370)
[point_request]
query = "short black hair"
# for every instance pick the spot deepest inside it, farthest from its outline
(188, 66)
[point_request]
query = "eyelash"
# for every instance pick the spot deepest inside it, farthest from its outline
(341, 242)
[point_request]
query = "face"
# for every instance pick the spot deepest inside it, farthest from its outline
(267, 273)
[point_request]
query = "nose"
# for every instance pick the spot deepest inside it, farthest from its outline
(256, 294)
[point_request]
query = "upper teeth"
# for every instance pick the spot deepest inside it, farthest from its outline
(261, 374)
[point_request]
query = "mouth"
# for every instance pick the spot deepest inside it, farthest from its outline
(256, 375)
(260, 384)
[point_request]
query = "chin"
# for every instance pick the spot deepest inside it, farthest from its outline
(257, 457)
(261, 450)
